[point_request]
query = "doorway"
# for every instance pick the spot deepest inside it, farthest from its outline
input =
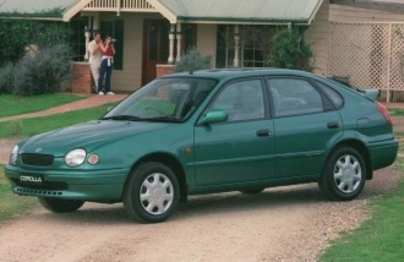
(155, 47)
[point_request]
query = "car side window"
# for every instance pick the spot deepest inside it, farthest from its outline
(294, 97)
(242, 101)
(333, 95)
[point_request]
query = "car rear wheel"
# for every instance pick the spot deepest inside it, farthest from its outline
(152, 194)
(344, 176)
(56, 205)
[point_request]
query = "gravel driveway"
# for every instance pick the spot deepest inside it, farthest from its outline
(282, 224)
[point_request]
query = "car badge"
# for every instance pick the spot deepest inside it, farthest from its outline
(38, 150)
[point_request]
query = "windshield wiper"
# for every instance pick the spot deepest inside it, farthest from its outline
(123, 118)
(162, 119)
(136, 118)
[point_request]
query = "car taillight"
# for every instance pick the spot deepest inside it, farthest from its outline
(385, 112)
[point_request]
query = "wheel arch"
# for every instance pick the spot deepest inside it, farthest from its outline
(358, 145)
(168, 160)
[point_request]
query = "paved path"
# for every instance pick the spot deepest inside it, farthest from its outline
(284, 224)
(92, 101)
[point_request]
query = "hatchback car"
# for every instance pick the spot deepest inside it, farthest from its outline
(206, 132)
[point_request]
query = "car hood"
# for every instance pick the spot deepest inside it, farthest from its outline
(88, 135)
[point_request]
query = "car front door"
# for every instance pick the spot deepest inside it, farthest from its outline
(306, 121)
(240, 149)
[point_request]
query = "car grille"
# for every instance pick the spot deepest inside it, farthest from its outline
(37, 159)
(45, 185)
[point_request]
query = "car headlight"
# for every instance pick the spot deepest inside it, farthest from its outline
(14, 155)
(75, 157)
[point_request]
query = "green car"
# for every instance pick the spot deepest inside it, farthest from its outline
(207, 132)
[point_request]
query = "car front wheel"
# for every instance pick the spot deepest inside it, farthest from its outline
(56, 205)
(152, 194)
(344, 176)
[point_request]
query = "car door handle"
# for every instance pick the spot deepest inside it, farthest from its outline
(333, 125)
(263, 133)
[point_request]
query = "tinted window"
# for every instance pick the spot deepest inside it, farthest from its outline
(294, 97)
(241, 101)
(333, 95)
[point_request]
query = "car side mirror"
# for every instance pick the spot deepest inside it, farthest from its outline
(216, 116)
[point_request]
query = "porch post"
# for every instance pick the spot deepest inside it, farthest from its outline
(87, 35)
(236, 62)
(171, 38)
(179, 42)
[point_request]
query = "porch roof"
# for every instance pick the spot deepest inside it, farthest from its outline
(227, 11)
(251, 11)
(35, 9)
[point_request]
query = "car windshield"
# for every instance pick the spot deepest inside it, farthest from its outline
(165, 100)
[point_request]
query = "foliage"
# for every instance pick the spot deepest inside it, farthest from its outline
(34, 126)
(193, 60)
(7, 79)
(12, 105)
(289, 50)
(16, 35)
(44, 71)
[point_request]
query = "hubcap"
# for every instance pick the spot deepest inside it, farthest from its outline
(348, 174)
(156, 194)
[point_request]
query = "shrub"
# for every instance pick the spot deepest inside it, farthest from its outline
(193, 60)
(43, 72)
(17, 34)
(289, 50)
(7, 79)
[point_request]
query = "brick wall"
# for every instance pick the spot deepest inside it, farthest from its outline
(81, 78)
(162, 70)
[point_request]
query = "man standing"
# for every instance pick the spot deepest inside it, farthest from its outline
(95, 59)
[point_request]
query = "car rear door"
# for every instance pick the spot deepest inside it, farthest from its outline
(306, 122)
(241, 149)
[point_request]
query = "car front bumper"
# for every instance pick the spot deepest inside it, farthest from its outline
(91, 185)
(383, 154)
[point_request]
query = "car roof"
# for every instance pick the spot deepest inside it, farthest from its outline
(230, 73)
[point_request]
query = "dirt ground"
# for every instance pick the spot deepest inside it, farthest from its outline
(282, 224)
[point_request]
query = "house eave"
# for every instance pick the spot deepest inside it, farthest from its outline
(244, 21)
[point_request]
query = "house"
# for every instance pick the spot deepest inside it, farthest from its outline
(152, 35)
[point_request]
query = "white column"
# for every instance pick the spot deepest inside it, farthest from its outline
(179, 42)
(236, 62)
(171, 38)
(87, 37)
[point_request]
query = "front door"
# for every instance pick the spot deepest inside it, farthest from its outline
(240, 150)
(155, 47)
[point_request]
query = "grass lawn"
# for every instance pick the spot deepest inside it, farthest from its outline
(12, 205)
(396, 112)
(379, 239)
(34, 126)
(15, 105)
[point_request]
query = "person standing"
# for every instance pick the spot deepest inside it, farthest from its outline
(95, 58)
(108, 52)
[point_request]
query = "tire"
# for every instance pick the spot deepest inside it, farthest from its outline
(160, 189)
(252, 191)
(344, 175)
(56, 205)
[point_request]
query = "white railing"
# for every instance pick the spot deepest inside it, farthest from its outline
(120, 5)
